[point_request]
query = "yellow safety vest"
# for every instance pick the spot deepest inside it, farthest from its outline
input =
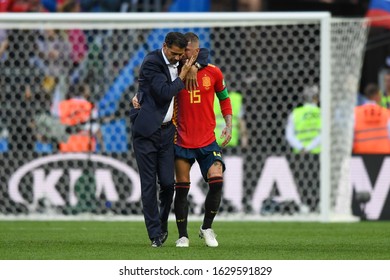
(307, 125)
(385, 100)
(236, 100)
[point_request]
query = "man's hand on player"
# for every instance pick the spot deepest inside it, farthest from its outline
(186, 67)
(191, 80)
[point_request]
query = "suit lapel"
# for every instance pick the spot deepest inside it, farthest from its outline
(165, 66)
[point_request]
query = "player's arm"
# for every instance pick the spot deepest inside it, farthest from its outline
(227, 131)
(313, 144)
(227, 112)
(290, 134)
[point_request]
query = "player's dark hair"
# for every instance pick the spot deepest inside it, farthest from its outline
(177, 39)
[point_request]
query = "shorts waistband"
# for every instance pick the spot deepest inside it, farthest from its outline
(166, 124)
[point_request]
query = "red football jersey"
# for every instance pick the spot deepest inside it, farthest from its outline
(194, 110)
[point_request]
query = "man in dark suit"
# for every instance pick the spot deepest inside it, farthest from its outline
(153, 131)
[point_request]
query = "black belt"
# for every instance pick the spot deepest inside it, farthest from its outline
(166, 124)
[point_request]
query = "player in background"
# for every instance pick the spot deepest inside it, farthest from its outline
(195, 141)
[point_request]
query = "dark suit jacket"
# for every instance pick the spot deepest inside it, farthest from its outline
(155, 93)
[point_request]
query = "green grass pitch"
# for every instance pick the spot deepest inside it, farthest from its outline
(96, 240)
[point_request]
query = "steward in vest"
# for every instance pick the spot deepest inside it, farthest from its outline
(76, 113)
(303, 129)
(384, 100)
(372, 128)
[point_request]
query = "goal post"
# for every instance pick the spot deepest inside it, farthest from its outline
(325, 98)
(267, 57)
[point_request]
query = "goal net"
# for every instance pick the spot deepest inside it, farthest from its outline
(81, 164)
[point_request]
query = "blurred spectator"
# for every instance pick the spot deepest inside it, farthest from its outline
(343, 8)
(303, 129)
(250, 5)
(38, 104)
(52, 57)
(3, 137)
(76, 37)
(385, 92)
(3, 57)
(80, 115)
(3, 125)
(372, 125)
(237, 5)
(50, 5)
(19, 80)
(101, 5)
(4, 5)
(3, 44)
(68, 6)
(130, 5)
(20, 6)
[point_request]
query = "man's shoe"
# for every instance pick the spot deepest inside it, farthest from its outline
(164, 237)
(156, 242)
(183, 242)
(209, 237)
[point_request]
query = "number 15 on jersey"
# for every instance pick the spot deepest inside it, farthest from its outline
(194, 96)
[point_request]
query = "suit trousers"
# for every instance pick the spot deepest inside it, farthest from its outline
(155, 160)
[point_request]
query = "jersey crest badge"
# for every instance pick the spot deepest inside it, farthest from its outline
(206, 82)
